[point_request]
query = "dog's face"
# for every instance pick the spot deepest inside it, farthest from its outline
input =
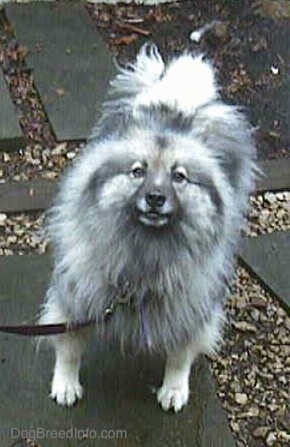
(159, 182)
(156, 201)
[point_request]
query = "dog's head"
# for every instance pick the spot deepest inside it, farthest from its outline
(158, 181)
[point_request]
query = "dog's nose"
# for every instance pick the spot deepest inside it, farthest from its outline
(155, 199)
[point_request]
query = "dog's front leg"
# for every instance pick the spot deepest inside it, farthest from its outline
(65, 387)
(174, 391)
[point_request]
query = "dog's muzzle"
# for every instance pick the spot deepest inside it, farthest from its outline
(153, 209)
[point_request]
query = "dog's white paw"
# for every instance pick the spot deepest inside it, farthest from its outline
(66, 392)
(173, 396)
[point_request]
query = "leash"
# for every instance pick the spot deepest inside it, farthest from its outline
(122, 298)
(30, 330)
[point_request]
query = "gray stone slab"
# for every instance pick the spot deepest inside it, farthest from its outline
(26, 196)
(117, 391)
(276, 175)
(268, 257)
(71, 64)
(11, 137)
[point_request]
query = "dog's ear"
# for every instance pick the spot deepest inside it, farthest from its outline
(115, 120)
(227, 134)
(231, 165)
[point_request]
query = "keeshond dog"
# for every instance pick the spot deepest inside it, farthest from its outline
(146, 223)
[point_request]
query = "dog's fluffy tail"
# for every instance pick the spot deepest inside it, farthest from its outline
(142, 74)
(186, 83)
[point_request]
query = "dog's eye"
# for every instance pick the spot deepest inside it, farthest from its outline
(137, 170)
(179, 175)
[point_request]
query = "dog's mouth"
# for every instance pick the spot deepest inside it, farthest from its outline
(154, 218)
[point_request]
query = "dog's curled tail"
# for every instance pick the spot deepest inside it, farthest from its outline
(185, 83)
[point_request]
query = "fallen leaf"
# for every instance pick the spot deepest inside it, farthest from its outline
(125, 40)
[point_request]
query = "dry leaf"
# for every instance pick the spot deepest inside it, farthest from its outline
(125, 40)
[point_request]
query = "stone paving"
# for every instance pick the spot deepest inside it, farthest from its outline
(268, 257)
(114, 400)
(11, 137)
(70, 62)
(31, 195)
(118, 394)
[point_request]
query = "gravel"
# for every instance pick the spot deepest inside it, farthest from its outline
(37, 161)
(269, 212)
(252, 369)
(22, 233)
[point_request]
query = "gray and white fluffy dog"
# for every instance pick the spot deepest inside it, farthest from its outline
(146, 223)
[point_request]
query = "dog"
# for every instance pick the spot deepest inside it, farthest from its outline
(146, 223)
